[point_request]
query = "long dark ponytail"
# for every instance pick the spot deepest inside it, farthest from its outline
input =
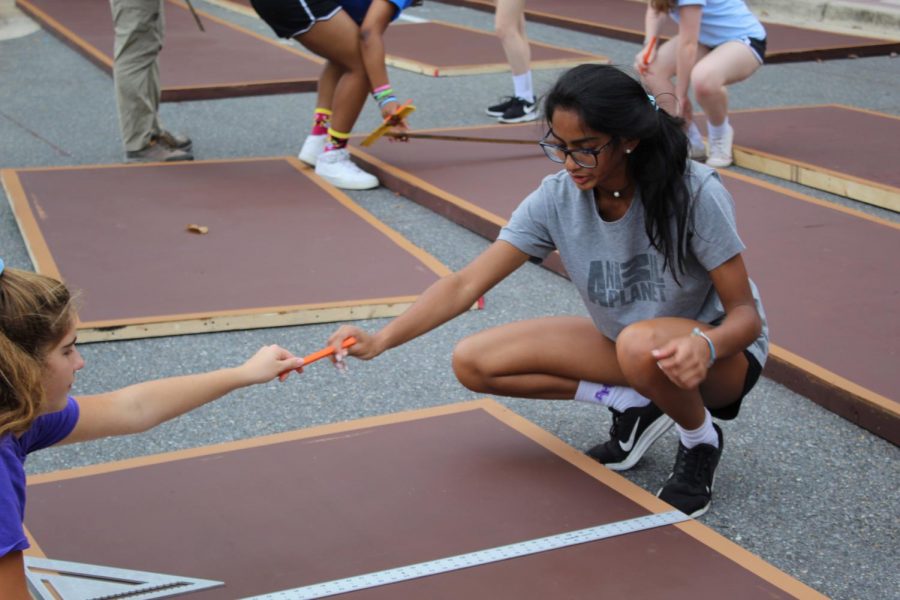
(610, 101)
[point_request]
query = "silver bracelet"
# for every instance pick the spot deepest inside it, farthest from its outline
(712, 349)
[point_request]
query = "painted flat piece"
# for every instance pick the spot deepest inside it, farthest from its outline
(839, 149)
(844, 263)
(443, 49)
(129, 238)
(624, 20)
(279, 512)
(222, 62)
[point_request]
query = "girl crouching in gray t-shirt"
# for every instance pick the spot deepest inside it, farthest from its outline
(676, 331)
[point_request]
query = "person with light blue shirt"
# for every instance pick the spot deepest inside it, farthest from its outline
(719, 42)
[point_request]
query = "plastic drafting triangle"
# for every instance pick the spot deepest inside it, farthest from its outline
(57, 579)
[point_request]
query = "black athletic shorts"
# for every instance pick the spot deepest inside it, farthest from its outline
(290, 18)
(754, 370)
(758, 46)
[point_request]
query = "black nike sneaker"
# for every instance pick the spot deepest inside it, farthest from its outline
(631, 435)
(689, 487)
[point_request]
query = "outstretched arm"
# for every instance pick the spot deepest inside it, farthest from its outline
(442, 301)
(371, 33)
(145, 405)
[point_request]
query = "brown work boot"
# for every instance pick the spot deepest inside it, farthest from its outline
(156, 151)
(174, 140)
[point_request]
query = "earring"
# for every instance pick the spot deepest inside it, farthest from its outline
(627, 150)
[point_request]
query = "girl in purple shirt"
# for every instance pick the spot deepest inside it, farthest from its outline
(38, 364)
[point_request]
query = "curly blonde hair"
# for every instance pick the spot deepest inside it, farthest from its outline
(35, 313)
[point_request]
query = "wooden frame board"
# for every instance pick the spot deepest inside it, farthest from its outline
(624, 20)
(843, 271)
(225, 61)
(282, 511)
(840, 149)
(283, 247)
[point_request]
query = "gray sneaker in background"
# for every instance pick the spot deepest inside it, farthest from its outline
(174, 140)
(157, 152)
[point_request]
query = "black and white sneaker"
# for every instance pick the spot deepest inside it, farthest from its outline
(630, 436)
(689, 487)
(519, 111)
(501, 107)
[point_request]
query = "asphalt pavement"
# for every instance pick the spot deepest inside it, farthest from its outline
(801, 487)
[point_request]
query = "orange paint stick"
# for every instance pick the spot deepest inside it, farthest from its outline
(649, 50)
(310, 358)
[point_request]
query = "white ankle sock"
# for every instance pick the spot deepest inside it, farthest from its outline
(523, 86)
(705, 434)
(717, 131)
(694, 135)
(617, 397)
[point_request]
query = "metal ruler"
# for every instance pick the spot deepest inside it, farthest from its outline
(473, 559)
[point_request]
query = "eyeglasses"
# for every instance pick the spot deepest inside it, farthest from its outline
(583, 157)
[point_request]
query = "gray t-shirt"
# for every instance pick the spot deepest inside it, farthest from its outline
(616, 269)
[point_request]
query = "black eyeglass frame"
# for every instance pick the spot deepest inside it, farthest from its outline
(549, 150)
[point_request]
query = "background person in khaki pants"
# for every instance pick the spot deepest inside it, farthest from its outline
(139, 27)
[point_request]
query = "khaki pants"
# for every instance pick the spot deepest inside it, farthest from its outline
(139, 28)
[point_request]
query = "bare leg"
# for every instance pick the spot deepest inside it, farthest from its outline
(337, 40)
(328, 81)
(729, 63)
(509, 23)
(723, 384)
(546, 358)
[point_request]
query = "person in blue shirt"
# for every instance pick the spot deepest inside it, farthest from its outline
(719, 42)
(38, 366)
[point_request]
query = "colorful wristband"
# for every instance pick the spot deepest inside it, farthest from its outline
(712, 349)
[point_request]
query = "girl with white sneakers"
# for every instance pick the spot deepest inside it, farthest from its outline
(719, 42)
(325, 28)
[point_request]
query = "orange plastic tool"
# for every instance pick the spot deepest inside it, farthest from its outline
(649, 50)
(326, 351)
(401, 113)
(310, 358)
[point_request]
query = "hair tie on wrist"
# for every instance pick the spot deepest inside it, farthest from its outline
(712, 349)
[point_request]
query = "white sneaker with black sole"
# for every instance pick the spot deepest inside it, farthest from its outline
(335, 167)
(312, 148)
(519, 111)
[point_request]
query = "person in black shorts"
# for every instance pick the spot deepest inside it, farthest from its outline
(324, 28)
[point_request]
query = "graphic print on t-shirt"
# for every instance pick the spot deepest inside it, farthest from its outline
(612, 283)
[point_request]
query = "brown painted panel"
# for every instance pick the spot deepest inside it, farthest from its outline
(274, 516)
(223, 61)
(829, 278)
(277, 238)
(858, 143)
(447, 46)
(624, 19)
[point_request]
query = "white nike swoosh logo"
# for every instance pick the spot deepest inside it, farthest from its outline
(627, 446)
